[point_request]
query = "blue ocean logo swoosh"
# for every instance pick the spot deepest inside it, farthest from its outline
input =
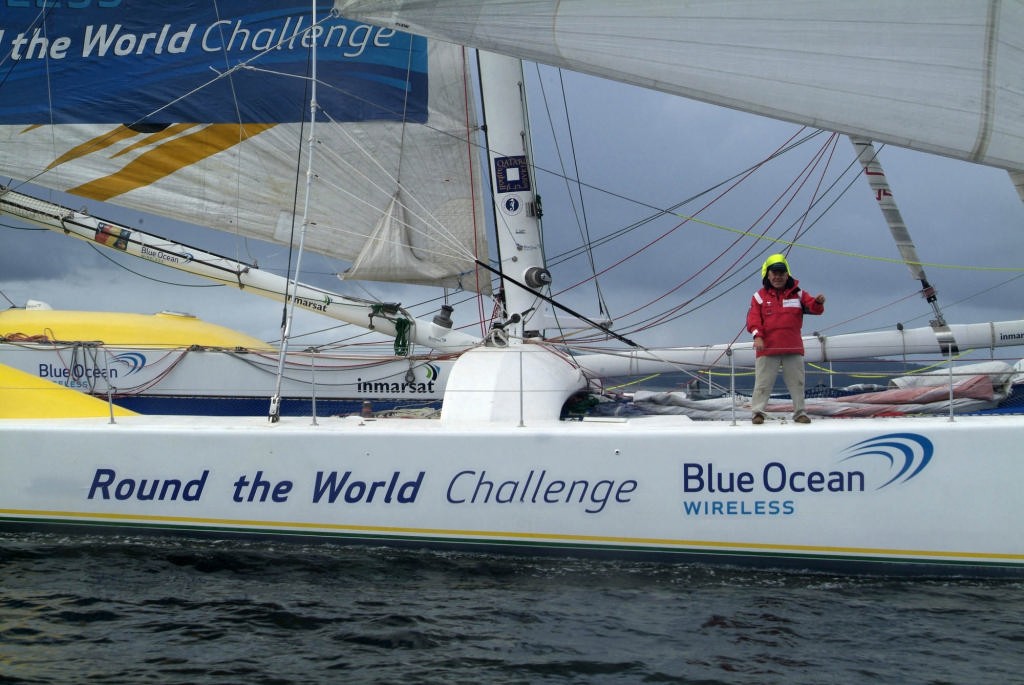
(132, 361)
(432, 371)
(907, 453)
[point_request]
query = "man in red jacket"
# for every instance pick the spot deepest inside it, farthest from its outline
(775, 319)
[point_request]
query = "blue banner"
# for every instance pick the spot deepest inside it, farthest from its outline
(156, 62)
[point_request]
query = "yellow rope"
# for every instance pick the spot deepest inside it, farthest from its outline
(639, 380)
(930, 367)
(725, 373)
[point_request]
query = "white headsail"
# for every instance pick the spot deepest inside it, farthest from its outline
(945, 77)
(196, 113)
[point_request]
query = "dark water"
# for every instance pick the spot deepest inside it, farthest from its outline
(127, 610)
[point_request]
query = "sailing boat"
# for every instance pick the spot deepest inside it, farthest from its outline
(175, 363)
(501, 471)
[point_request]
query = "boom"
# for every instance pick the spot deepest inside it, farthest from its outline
(384, 318)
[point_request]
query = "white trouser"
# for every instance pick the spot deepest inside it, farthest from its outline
(766, 368)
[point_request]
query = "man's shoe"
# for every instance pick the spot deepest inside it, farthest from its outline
(803, 418)
(758, 419)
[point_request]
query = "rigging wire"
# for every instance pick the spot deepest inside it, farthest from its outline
(793, 188)
(474, 162)
(735, 183)
(237, 148)
(735, 242)
(580, 214)
(672, 210)
(802, 231)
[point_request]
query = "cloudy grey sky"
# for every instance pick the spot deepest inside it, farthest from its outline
(637, 151)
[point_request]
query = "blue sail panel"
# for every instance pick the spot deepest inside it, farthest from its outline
(149, 63)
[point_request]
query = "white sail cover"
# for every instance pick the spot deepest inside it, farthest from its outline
(125, 102)
(943, 76)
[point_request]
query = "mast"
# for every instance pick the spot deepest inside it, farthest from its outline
(868, 157)
(516, 209)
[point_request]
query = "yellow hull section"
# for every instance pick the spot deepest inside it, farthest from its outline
(166, 329)
(27, 397)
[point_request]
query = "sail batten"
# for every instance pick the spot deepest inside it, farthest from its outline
(944, 79)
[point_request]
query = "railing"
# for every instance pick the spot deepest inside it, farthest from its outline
(936, 386)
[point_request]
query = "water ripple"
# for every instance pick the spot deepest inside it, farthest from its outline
(128, 610)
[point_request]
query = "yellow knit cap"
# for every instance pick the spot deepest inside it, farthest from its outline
(774, 259)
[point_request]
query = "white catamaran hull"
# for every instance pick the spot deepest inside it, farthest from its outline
(231, 382)
(874, 494)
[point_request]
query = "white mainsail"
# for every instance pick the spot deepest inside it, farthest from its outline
(945, 77)
(87, 126)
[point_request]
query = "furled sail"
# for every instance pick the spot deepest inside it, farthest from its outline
(945, 77)
(195, 111)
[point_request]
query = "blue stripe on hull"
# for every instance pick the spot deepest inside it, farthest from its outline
(259, 406)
